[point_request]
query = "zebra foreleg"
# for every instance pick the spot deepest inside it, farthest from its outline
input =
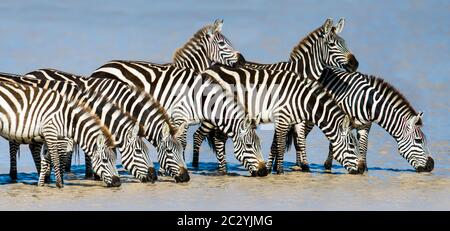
(280, 140)
(329, 162)
(198, 137)
(45, 169)
(13, 149)
(363, 140)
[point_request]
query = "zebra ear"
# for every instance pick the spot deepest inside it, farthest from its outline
(339, 26)
(218, 25)
(258, 119)
(327, 26)
(416, 120)
(135, 130)
(165, 131)
(346, 124)
(100, 141)
(181, 129)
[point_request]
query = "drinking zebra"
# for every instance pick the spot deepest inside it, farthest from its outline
(156, 125)
(281, 98)
(29, 114)
(368, 100)
(322, 47)
(179, 88)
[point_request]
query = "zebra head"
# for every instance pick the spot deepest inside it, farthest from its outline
(138, 163)
(170, 154)
(412, 144)
(345, 148)
(334, 49)
(219, 48)
(103, 162)
(247, 147)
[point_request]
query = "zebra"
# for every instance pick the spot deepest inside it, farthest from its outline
(170, 84)
(191, 98)
(321, 48)
(124, 127)
(157, 127)
(281, 98)
(369, 99)
(206, 47)
(29, 114)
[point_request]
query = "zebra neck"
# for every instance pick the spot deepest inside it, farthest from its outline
(306, 66)
(194, 57)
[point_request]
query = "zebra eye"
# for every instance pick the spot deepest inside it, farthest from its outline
(331, 44)
(222, 43)
(419, 141)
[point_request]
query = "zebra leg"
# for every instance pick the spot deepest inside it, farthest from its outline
(45, 169)
(363, 135)
(35, 149)
(220, 140)
(300, 133)
(199, 136)
(68, 162)
(329, 162)
(48, 171)
(88, 165)
(54, 156)
(272, 154)
(281, 130)
(13, 149)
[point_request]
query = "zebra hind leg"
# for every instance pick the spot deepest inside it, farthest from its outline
(220, 140)
(13, 149)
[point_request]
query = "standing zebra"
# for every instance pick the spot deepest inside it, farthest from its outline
(29, 114)
(156, 125)
(183, 89)
(321, 48)
(369, 100)
(124, 128)
(280, 97)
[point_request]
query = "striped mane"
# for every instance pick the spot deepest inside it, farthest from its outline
(374, 80)
(304, 42)
(192, 41)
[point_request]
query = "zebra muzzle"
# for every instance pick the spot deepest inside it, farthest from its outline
(262, 170)
(183, 176)
(115, 182)
(429, 166)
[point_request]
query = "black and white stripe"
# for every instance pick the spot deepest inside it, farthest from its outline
(191, 98)
(156, 126)
(281, 98)
(368, 100)
(29, 114)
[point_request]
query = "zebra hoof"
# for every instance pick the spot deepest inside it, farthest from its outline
(222, 172)
(47, 179)
(59, 185)
(327, 166)
(305, 167)
(13, 176)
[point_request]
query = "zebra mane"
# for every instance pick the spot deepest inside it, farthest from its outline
(193, 40)
(374, 80)
(297, 49)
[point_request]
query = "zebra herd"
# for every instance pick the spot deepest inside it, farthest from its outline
(208, 83)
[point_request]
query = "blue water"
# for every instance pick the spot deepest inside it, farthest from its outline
(405, 42)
